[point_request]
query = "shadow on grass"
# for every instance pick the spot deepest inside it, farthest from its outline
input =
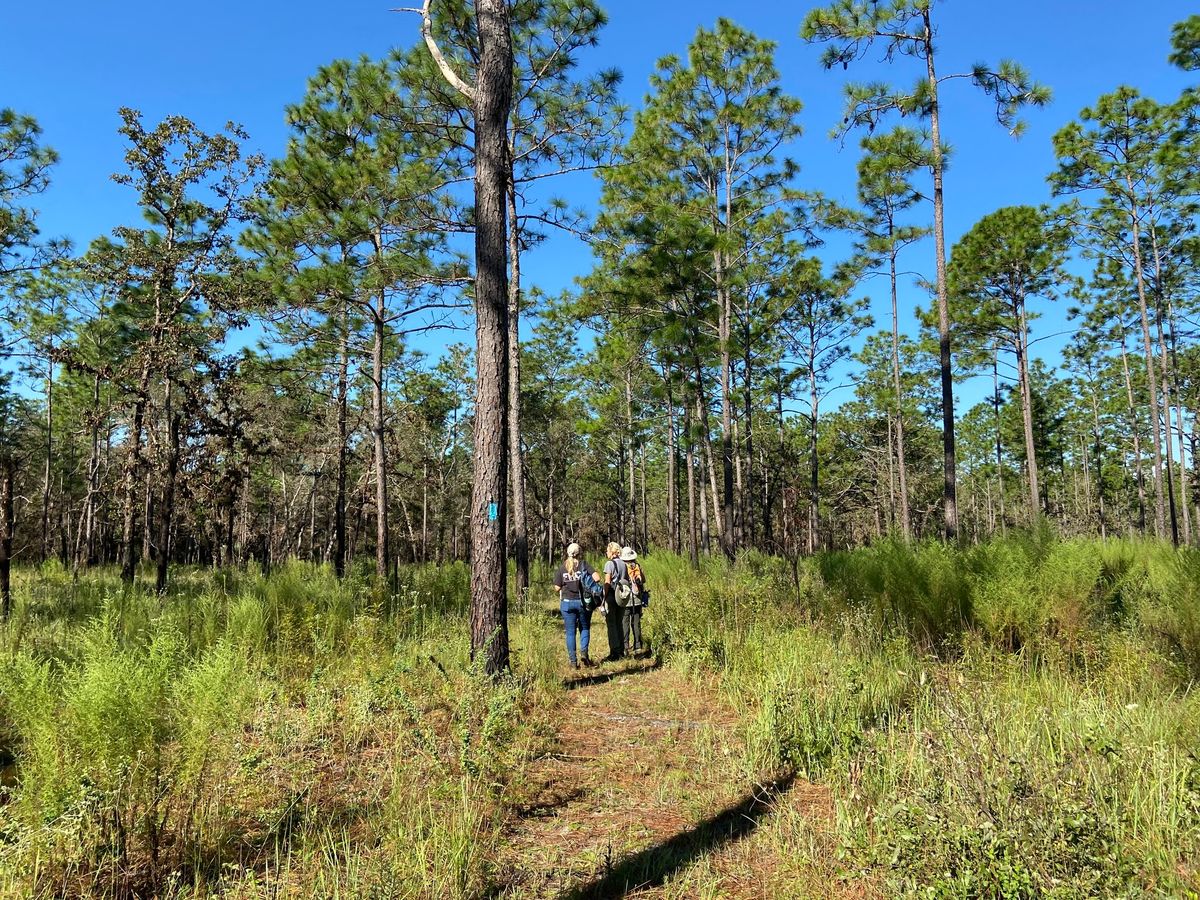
(574, 684)
(653, 866)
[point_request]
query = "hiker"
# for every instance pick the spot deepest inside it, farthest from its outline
(616, 581)
(575, 582)
(631, 620)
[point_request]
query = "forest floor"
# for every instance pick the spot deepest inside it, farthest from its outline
(640, 791)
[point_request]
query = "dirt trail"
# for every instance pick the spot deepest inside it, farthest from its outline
(641, 794)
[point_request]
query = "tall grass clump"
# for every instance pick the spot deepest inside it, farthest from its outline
(320, 736)
(1003, 783)
(1013, 719)
(113, 753)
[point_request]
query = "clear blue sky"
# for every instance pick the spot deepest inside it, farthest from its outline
(72, 64)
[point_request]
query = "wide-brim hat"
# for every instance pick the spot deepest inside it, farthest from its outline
(628, 554)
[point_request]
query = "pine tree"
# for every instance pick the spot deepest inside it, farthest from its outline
(350, 229)
(1115, 152)
(25, 164)
(886, 193)
(1008, 258)
(170, 280)
(704, 160)
(906, 28)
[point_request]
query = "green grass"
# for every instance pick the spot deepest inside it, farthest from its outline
(1011, 720)
(289, 730)
(1017, 719)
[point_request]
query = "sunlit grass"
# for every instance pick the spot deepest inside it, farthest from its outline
(1014, 719)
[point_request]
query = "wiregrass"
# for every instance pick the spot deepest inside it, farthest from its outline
(254, 736)
(1016, 719)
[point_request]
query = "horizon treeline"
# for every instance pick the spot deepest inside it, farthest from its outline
(234, 377)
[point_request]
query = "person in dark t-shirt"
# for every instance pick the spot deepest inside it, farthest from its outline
(571, 582)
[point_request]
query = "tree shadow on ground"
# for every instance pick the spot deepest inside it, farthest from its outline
(574, 684)
(652, 867)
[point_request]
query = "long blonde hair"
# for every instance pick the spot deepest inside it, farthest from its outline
(572, 563)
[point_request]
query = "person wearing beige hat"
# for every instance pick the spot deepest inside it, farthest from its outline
(631, 618)
(574, 581)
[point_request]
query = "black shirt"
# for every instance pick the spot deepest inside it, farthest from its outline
(571, 582)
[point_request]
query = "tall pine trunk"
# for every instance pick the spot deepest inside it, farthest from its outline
(1169, 388)
(814, 493)
(901, 463)
(1151, 379)
(672, 467)
(724, 298)
(8, 523)
(690, 463)
(132, 464)
(382, 550)
(1027, 409)
(1098, 450)
(1137, 441)
(999, 440)
(339, 503)
(166, 510)
(44, 552)
(86, 553)
(516, 460)
(949, 492)
(493, 171)
(629, 535)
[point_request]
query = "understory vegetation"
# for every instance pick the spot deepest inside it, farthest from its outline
(1014, 719)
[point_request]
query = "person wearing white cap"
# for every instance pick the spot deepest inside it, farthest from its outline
(574, 582)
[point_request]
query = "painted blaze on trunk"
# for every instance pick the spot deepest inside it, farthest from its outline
(489, 557)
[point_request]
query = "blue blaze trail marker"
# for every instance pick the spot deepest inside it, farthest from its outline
(493, 511)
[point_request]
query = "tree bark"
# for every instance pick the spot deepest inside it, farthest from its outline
(87, 552)
(7, 527)
(1027, 409)
(339, 503)
(166, 510)
(132, 464)
(999, 444)
(690, 463)
(493, 172)
(1151, 380)
(1098, 449)
(631, 512)
(1137, 441)
(814, 494)
(901, 465)
(44, 552)
(672, 467)
(382, 532)
(949, 495)
(516, 456)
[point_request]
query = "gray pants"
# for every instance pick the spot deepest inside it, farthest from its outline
(631, 627)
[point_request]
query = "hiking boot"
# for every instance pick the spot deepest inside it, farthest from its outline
(588, 663)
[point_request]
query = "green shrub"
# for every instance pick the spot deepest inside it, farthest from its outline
(917, 590)
(1170, 608)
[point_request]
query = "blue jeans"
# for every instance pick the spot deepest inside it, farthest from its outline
(576, 618)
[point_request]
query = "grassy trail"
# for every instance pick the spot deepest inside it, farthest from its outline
(639, 792)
